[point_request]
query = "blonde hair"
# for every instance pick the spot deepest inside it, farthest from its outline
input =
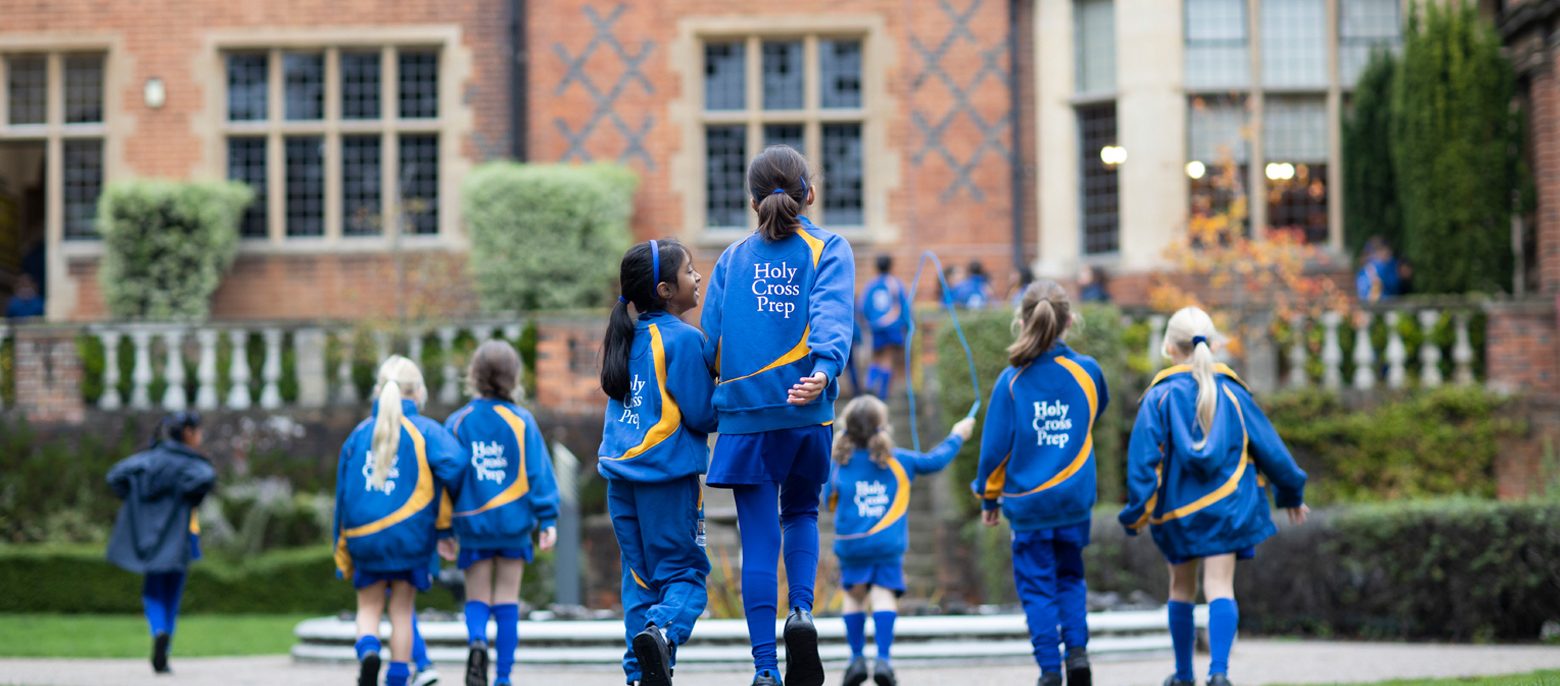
(1043, 316)
(495, 371)
(1190, 335)
(864, 425)
(398, 378)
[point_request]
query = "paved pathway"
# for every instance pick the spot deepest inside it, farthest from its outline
(1255, 663)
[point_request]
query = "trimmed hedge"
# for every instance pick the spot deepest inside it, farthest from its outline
(166, 245)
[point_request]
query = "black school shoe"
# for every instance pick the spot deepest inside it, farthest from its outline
(1172, 681)
(476, 665)
(883, 674)
(160, 653)
(802, 666)
(765, 678)
(1078, 672)
(856, 674)
(1218, 680)
(1050, 679)
(368, 670)
(655, 657)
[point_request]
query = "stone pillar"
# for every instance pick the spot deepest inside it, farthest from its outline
(309, 365)
(48, 376)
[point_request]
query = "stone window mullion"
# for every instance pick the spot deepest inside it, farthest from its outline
(332, 151)
(390, 143)
(276, 175)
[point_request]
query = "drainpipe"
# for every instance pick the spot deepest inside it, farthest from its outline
(519, 94)
(1015, 102)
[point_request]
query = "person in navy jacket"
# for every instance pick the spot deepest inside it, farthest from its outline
(885, 306)
(506, 495)
(778, 321)
(1200, 452)
(1037, 465)
(869, 493)
(388, 483)
(655, 444)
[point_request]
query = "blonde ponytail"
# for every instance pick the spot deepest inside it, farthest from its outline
(1207, 396)
(1189, 336)
(398, 377)
(864, 425)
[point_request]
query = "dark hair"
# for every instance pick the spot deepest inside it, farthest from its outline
(1026, 276)
(864, 426)
(777, 178)
(976, 268)
(1044, 313)
(173, 426)
(638, 285)
(494, 371)
(885, 263)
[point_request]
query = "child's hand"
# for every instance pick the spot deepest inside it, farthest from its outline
(449, 549)
(808, 389)
(1298, 515)
(548, 537)
(964, 428)
(991, 517)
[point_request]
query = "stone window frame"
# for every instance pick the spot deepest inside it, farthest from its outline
(452, 127)
(880, 164)
(56, 133)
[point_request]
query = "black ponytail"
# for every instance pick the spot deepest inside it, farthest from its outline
(637, 279)
(777, 178)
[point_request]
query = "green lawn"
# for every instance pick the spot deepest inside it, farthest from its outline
(1545, 678)
(48, 635)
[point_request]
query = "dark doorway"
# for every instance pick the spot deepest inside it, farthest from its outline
(23, 237)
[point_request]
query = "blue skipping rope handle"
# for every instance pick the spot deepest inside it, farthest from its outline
(953, 315)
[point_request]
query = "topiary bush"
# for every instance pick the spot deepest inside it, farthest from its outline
(546, 236)
(166, 245)
(1370, 206)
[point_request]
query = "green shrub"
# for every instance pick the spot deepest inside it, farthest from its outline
(546, 236)
(54, 490)
(166, 245)
(1454, 570)
(1370, 204)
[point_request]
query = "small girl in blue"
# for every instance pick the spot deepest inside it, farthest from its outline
(1037, 464)
(869, 492)
(655, 444)
(506, 495)
(778, 318)
(391, 471)
(1199, 452)
(885, 306)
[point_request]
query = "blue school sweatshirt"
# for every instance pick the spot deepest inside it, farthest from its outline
(1037, 447)
(660, 432)
(778, 311)
(391, 529)
(885, 304)
(870, 503)
(507, 490)
(1208, 500)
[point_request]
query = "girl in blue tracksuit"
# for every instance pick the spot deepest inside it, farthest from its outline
(1200, 452)
(655, 444)
(506, 494)
(391, 472)
(1037, 465)
(869, 492)
(885, 306)
(778, 318)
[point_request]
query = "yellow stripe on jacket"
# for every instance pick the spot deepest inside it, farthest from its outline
(522, 484)
(671, 414)
(1229, 486)
(897, 509)
(1086, 383)
(422, 493)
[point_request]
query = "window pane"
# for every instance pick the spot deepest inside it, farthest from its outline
(304, 76)
(83, 89)
(783, 75)
(1294, 43)
(419, 84)
(305, 166)
(360, 185)
(1294, 129)
(839, 64)
(83, 170)
(793, 135)
(360, 85)
(1101, 197)
(1297, 200)
(28, 89)
(842, 171)
(246, 164)
(420, 183)
(1094, 24)
(725, 159)
(1363, 26)
(1216, 47)
(725, 84)
(1217, 130)
(246, 84)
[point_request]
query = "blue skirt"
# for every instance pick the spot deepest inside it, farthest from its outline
(1243, 554)
(421, 579)
(771, 457)
(470, 556)
(889, 575)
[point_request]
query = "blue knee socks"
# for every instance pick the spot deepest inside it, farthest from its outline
(398, 674)
(884, 623)
(759, 529)
(879, 379)
(476, 621)
(507, 617)
(160, 594)
(367, 645)
(856, 633)
(419, 648)
(1223, 619)
(1183, 635)
(801, 557)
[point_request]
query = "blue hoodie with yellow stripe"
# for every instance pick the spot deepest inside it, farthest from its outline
(1037, 445)
(778, 311)
(871, 504)
(508, 490)
(660, 432)
(391, 528)
(1208, 498)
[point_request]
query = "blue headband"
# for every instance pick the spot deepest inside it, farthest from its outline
(1199, 339)
(655, 264)
(623, 300)
(781, 189)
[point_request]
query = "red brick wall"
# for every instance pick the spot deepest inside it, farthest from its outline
(48, 376)
(566, 371)
(1544, 132)
(1521, 347)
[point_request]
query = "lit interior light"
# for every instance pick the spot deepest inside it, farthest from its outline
(1113, 155)
(1196, 169)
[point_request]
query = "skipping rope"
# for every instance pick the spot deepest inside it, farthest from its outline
(953, 315)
